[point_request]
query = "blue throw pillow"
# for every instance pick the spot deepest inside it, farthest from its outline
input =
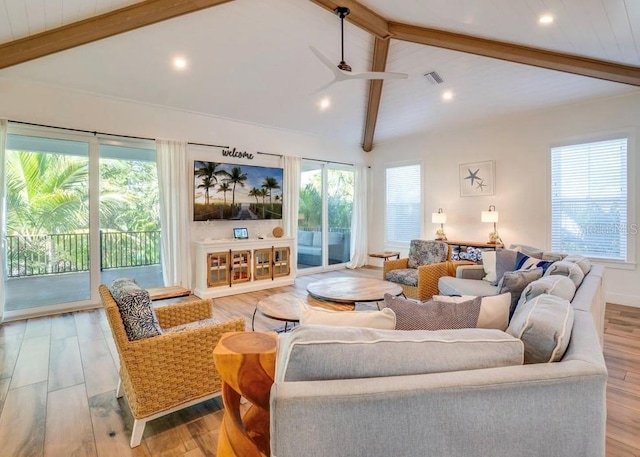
(524, 262)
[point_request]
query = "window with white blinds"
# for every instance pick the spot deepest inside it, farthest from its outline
(403, 203)
(589, 199)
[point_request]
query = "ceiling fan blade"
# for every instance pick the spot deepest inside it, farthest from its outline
(378, 75)
(325, 60)
(330, 83)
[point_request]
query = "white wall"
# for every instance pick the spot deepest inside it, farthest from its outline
(520, 148)
(49, 105)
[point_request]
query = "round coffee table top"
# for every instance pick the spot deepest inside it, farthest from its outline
(351, 290)
(283, 307)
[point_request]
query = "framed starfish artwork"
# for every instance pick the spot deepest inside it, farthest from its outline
(477, 179)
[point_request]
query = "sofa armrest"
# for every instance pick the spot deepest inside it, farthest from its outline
(470, 272)
(183, 312)
(390, 265)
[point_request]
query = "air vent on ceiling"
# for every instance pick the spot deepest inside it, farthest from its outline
(434, 78)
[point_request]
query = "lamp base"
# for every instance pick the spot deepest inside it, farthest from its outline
(494, 238)
(440, 235)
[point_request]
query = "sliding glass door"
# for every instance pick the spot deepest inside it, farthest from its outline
(324, 215)
(47, 223)
(80, 211)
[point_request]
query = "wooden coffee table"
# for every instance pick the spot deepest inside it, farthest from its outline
(285, 307)
(352, 290)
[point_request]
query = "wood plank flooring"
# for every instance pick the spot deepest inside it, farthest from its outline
(58, 377)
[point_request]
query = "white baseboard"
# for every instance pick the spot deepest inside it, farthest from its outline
(622, 299)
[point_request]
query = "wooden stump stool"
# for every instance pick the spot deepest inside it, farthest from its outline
(246, 363)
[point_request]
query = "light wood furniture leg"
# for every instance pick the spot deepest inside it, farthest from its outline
(246, 363)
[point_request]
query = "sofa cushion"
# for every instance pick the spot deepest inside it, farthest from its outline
(565, 268)
(426, 252)
(581, 261)
(134, 304)
(317, 239)
(384, 319)
(305, 238)
(494, 310)
(315, 352)
(448, 285)
(557, 285)
(544, 325)
(335, 238)
(406, 276)
(505, 261)
(433, 315)
(515, 282)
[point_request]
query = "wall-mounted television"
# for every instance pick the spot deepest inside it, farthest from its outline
(225, 191)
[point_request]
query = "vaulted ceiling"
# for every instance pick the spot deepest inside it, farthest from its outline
(249, 60)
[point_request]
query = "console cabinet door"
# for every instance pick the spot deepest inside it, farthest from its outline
(218, 269)
(240, 266)
(263, 259)
(281, 261)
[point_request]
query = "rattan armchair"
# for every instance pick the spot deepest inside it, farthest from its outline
(168, 372)
(421, 282)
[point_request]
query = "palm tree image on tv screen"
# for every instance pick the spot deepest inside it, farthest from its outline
(236, 192)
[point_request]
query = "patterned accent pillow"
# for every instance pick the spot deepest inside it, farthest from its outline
(494, 309)
(426, 252)
(433, 315)
(525, 262)
(134, 304)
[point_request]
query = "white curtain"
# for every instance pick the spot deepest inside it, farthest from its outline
(292, 169)
(359, 225)
(3, 143)
(174, 212)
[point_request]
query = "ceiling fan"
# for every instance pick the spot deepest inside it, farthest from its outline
(342, 71)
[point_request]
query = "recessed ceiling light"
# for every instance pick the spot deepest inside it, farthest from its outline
(545, 19)
(447, 95)
(324, 104)
(180, 63)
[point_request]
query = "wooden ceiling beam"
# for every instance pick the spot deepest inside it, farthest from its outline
(361, 16)
(98, 27)
(568, 63)
(380, 53)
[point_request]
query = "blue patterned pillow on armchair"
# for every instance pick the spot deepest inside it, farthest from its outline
(426, 252)
(134, 304)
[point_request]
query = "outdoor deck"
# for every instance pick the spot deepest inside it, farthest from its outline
(34, 291)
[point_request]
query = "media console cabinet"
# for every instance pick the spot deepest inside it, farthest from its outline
(228, 267)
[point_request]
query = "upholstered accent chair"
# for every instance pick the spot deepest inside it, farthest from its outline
(418, 274)
(173, 370)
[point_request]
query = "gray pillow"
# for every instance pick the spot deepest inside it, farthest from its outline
(581, 261)
(544, 325)
(515, 282)
(505, 261)
(433, 315)
(557, 285)
(528, 250)
(569, 269)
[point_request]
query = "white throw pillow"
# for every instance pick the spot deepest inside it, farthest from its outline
(494, 310)
(382, 320)
(489, 265)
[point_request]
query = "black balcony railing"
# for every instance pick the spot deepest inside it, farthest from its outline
(35, 255)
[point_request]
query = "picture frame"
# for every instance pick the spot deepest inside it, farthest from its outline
(477, 179)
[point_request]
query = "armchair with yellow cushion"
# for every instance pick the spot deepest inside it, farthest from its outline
(418, 273)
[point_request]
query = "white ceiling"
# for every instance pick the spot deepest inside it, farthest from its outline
(249, 60)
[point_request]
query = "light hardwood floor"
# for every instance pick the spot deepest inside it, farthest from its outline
(58, 377)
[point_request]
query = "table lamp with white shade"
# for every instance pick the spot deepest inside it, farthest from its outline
(492, 216)
(439, 218)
